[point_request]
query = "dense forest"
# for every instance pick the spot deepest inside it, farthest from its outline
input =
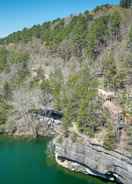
(79, 31)
(94, 47)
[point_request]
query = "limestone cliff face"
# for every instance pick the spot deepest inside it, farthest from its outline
(34, 128)
(96, 159)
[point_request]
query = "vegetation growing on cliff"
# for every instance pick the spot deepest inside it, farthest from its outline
(114, 78)
(110, 138)
(4, 110)
(86, 31)
(62, 63)
(3, 59)
(77, 99)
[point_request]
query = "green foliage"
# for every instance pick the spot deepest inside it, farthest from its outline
(129, 133)
(4, 109)
(130, 37)
(101, 7)
(56, 84)
(113, 77)
(110, 71)
(3, 58)
(45, 86)
(110, 138)
(38, 80)
(87, 101)
(17, 57)
(7, 91)
(126, 102)
(52, 33)
(102, 29)
(79, 27)
(11, 56)
(97, 35)
(22, 74)
(76, 97)
(115, 21)
(84, 31)
(46, 91)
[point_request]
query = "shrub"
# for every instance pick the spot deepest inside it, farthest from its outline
(3, 58)
(110, 139)
(130, 37)
(4, 109)
(22, 73)
(7, 91)
(76, 97)
(17, 57)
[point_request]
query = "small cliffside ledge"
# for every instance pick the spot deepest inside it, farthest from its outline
(93, 159)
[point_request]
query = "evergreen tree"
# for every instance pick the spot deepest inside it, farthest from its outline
(113, 76)
(7, 91)
(3, 58)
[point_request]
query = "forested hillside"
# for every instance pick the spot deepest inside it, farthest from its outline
(62, 64)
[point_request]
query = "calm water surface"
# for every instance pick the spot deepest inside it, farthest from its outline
(26, 162)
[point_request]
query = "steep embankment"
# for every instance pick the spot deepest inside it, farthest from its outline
(81, 153)
(93, 159)
(59, 66)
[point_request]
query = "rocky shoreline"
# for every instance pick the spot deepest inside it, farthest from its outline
(80, 155)
(78, 167)
(87, 158)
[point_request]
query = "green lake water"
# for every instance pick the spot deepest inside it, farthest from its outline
(26, 162)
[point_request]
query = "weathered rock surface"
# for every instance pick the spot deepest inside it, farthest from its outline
(96, 159)
(78, 155)
(33, 127)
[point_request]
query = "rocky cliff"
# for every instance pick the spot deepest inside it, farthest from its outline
(93, 159)
(61, 64)
(33, 125)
